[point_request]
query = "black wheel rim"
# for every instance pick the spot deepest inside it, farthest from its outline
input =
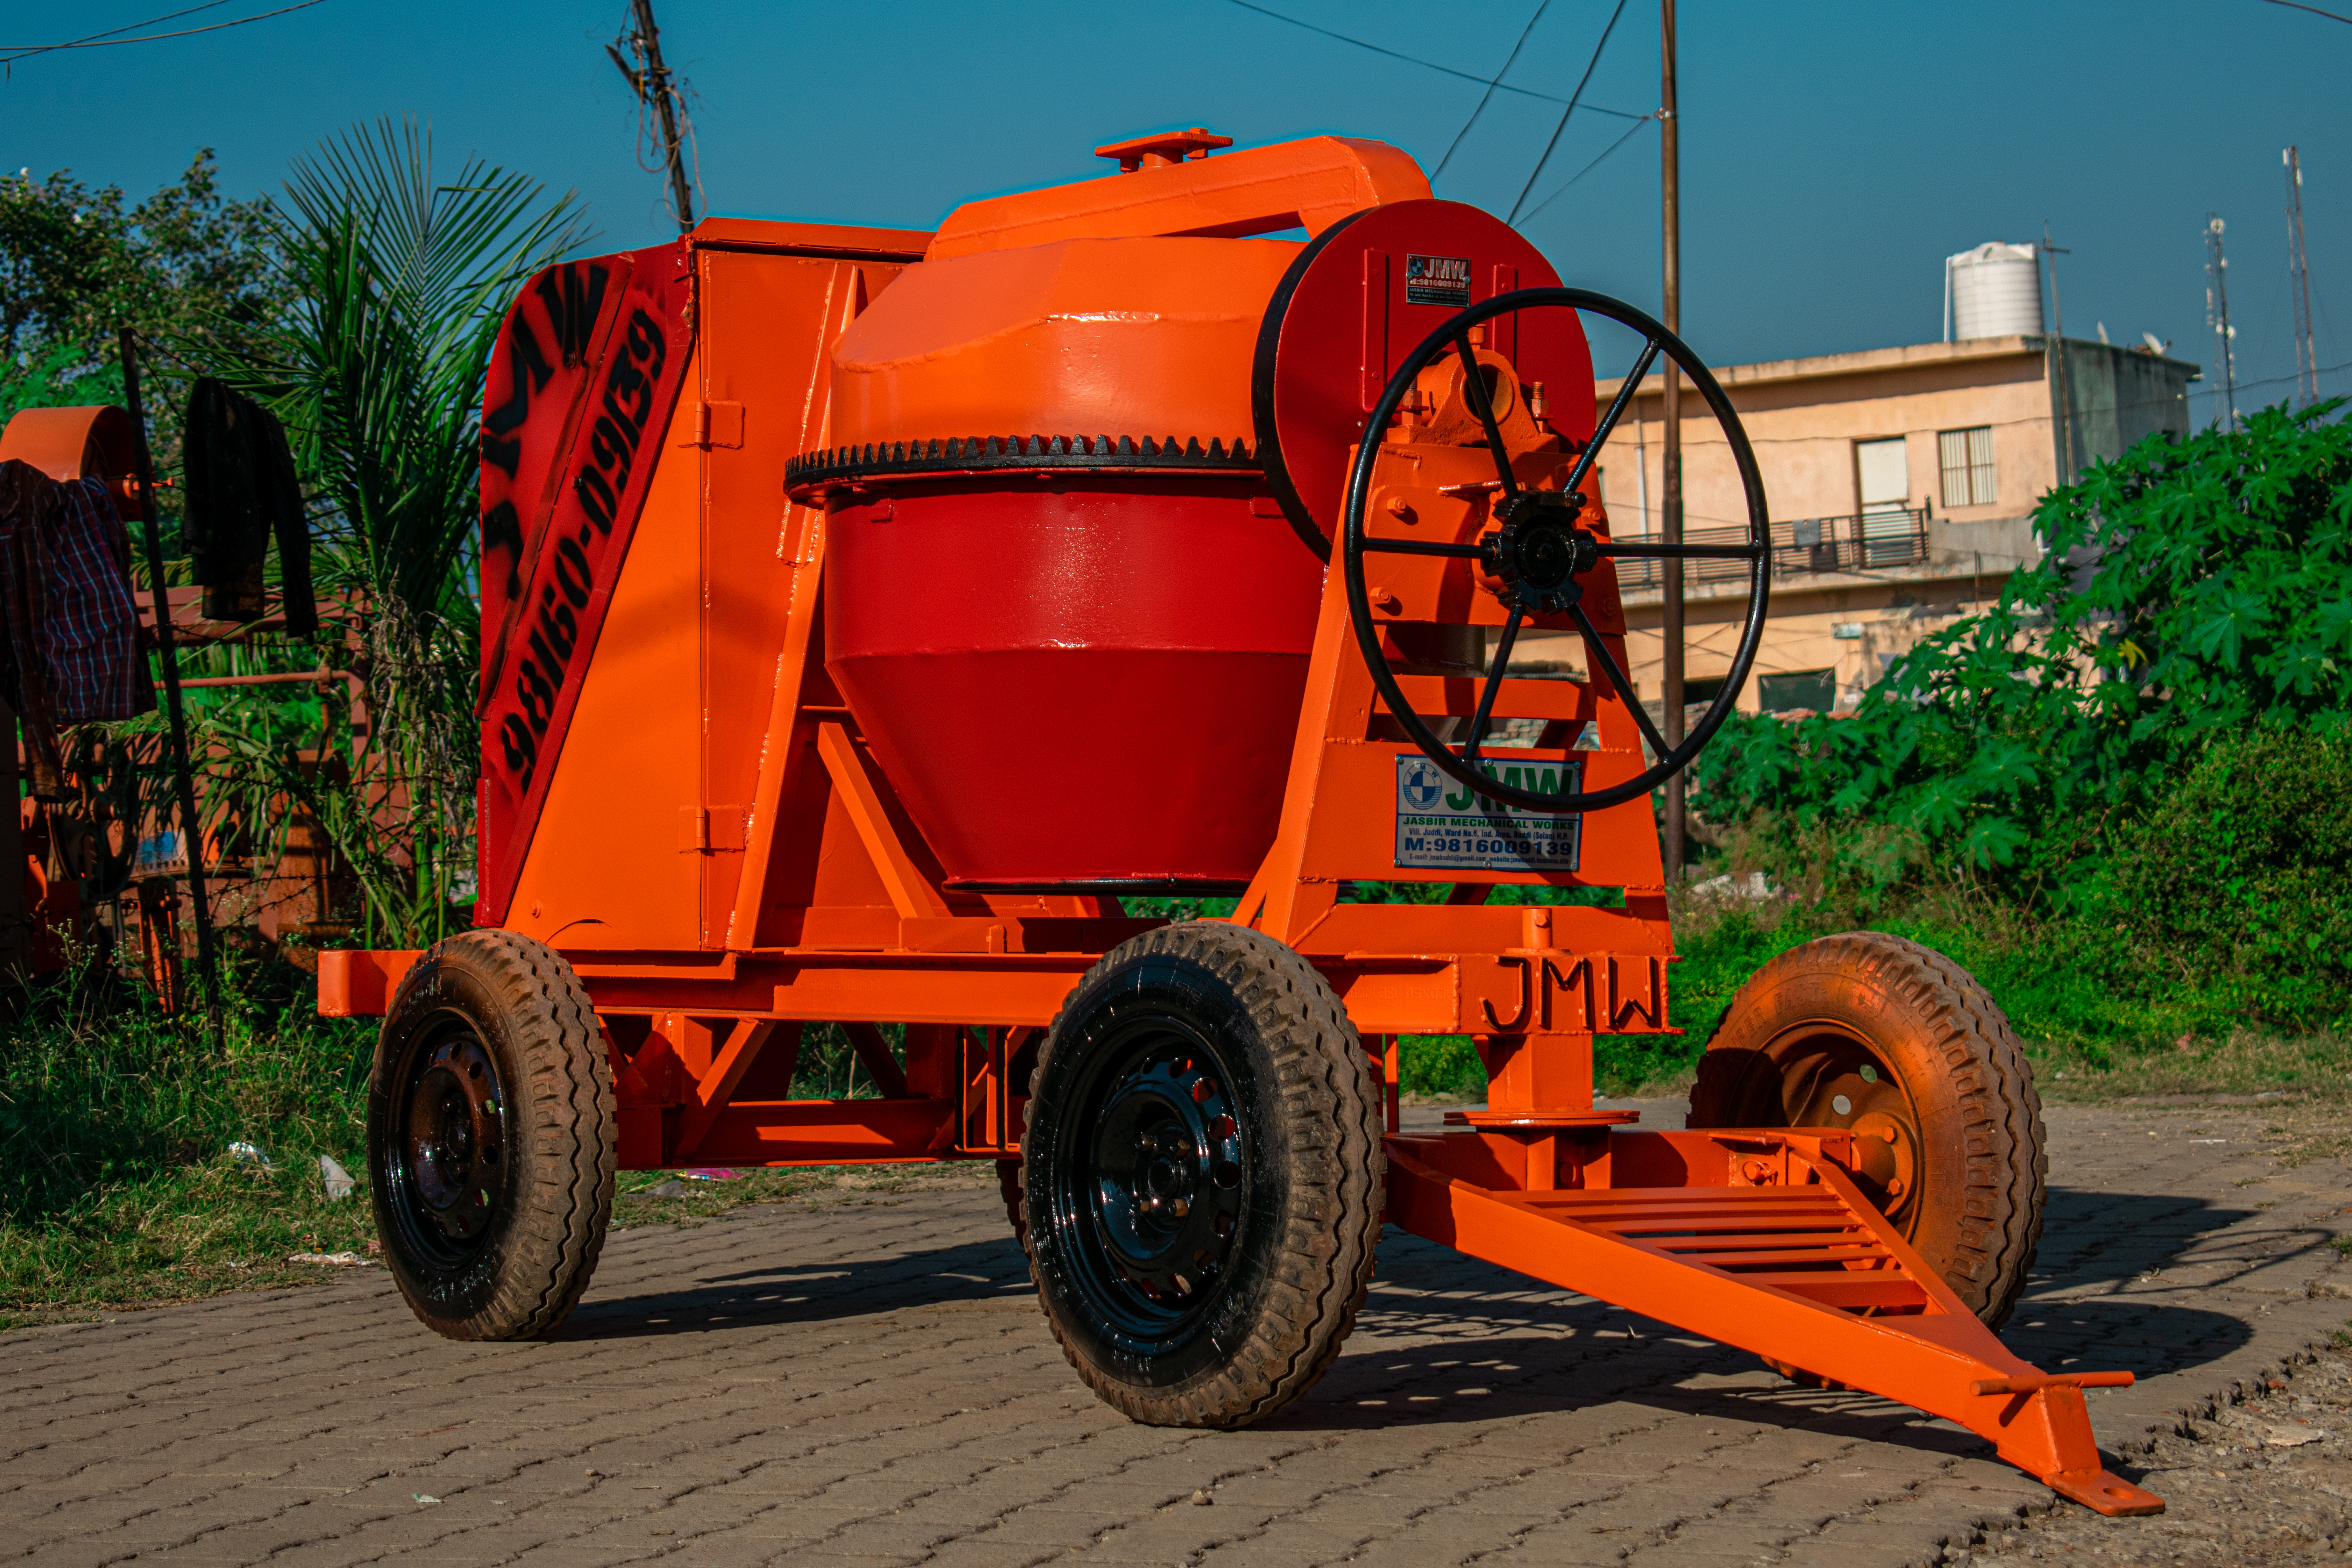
(1537, 548)
(1150, 1192)
(447, 1156)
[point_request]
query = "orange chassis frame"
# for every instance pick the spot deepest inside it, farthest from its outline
(1758, 1239)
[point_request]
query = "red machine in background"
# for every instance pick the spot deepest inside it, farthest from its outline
(869, 613)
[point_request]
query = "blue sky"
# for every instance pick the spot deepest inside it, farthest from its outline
(1832, 150)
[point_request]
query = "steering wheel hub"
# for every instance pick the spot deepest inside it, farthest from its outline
(1538, 551)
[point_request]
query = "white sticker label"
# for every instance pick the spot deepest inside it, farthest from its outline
(1437, 281)
(1444, 826)
(162, 854)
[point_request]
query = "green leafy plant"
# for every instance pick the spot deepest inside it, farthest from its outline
(2245, 868)
(2190, 590)
(77, 263)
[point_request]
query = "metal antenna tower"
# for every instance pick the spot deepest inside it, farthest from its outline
(2217, 316)
(2306, 351)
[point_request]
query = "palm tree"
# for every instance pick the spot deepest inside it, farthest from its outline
(399, 284)
(399, 287)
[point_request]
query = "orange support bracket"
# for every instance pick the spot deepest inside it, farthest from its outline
(911, 892)
(356, 984)
(874, 1056)
(710, 1095)
(1786, 1271)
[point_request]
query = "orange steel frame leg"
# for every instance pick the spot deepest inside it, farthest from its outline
(816, 900)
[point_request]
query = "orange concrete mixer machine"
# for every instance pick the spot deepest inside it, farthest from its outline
(871, 617)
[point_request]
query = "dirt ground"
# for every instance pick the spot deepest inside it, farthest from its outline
(2259, 1477)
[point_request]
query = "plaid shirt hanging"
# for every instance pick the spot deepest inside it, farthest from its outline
(90, 634)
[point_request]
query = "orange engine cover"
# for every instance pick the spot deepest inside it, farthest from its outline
(1082, 337)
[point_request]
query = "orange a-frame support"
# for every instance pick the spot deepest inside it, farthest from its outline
(718, 881)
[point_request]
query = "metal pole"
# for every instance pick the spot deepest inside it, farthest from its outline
(1670, 486)
(2306, 351)
(2062, 383)
(167, 658)
(656, 84)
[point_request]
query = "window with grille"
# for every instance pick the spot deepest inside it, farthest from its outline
(1967, 460)
(1796, 688)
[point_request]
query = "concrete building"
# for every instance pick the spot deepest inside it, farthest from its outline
(1902, 484)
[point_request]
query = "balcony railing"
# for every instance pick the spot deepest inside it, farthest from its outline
(1866, 541)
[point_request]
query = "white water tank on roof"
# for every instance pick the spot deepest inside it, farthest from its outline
(1992, 292)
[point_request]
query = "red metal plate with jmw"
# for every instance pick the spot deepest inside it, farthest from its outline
(587, 370)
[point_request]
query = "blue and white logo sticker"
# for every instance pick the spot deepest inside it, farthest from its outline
(1419, 784)
(1444, 826)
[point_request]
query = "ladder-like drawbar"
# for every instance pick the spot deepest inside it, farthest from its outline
(1782, 1256)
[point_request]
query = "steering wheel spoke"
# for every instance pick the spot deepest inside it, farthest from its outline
(1422, 547)
(1617, 406)
(1494, 683)
(1643, 550)
(1620, 682)
(1474, 393)
(1538, 557)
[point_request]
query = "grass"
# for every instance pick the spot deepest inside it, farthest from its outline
(116, 1180)
(117, 1184)
(2316, 1069)
(2075, 999)
(637, 1203)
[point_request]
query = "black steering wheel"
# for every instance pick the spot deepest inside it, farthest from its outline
(1538, 550)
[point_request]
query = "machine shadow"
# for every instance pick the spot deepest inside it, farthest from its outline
(1445, 1338)
(975, 1274)
(2090, 1236)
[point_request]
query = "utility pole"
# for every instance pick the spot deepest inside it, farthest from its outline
(654, 87)
(1670, 487)
(2306, 351)
(2217, 316)
(2065, 403)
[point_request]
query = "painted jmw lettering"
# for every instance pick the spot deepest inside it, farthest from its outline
(1535, 778)
(1538, 983)
(554, 633)
(571, 295)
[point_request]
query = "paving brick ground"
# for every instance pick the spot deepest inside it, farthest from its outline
(869, 1382)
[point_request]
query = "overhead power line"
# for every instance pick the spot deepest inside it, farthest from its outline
(1562, 188)
(109, 39)
(2299, 5)
(1488, 97)
(1495, 83)
(1536, 172)
(126, 27)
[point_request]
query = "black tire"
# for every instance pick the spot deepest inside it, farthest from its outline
(1008, 1186)
(1203, 1176)
(1878, 1033)
(491, 1137)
